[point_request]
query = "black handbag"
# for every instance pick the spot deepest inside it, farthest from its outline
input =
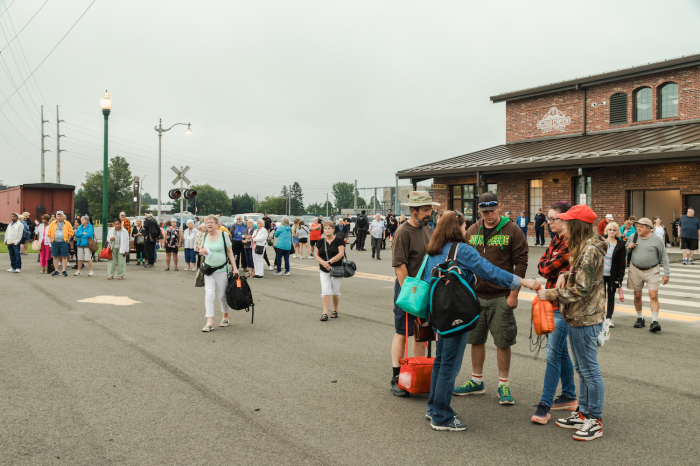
(344, 270)
(259, 249)
(208, 269)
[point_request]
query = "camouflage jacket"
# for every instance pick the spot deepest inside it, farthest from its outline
(584, 294)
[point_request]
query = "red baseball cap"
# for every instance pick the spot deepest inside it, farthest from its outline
(579, 212)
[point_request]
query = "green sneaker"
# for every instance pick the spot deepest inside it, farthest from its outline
(504, 395)
(470, 388)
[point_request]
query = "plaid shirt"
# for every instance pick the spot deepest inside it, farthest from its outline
(126, 224)
(554, 261)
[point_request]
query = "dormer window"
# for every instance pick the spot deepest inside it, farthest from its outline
(642, 104)
(668, 100)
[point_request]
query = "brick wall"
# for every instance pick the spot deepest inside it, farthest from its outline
(522, 115)
(609, 186)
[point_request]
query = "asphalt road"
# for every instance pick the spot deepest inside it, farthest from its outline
(86, 383)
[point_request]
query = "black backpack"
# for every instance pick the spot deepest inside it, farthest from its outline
(239, 296)
(454, 307)
(361, 222)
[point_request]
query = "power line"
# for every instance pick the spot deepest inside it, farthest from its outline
(30, 20)
(52, 50)
(7, 8)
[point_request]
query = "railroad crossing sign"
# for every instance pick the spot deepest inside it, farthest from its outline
(180, 174)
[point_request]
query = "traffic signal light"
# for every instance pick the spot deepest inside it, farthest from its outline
(175, 194)
(190, 193)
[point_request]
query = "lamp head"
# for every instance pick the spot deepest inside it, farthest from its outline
(106, 102)
(188, 131)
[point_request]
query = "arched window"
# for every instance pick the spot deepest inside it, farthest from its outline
(618, 108)
(642, 104)
(668, 100)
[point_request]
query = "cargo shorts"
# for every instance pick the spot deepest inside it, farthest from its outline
(636, 278)
(498, 318)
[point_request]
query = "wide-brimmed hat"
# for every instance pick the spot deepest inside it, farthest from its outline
(645, 221)
(419, 198)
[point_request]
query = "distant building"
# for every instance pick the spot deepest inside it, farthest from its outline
(165, 208)
(37, 199)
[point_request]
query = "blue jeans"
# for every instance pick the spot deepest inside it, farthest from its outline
(282, 253)
(584, 352)
(190, 256)
(15, 258)
(155, 252)
(524, 229)
(539, 235)
(558, 363)
(448, 362)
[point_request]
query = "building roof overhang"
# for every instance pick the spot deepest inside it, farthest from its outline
(587, 81)
(639, 146)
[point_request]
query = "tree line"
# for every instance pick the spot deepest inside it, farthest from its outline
(209, 200)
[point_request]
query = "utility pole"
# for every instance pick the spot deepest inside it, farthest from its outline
(374, 206)
(326, 204)
(396, 196)
(289, 194)
(43, 173)
(136, 196)
(58, 147)
(354, 195)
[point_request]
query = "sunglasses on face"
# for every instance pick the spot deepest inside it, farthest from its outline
(488, 204)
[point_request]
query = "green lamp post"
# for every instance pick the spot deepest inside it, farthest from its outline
(106, 104)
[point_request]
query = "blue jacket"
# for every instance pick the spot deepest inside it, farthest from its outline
(284, 237)
(83, 234)
(238, 231)
(518, 220)
(471, 263)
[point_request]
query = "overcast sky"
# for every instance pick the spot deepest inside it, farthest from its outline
(309, 91)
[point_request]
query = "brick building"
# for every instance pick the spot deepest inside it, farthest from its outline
(625, 142)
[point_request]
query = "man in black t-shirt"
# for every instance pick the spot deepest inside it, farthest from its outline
(362, 225)
(268, 221)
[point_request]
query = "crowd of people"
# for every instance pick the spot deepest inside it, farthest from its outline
(583, 266)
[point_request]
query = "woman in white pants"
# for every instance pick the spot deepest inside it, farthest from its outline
(330, 250)
(216, 249)
(259, 239)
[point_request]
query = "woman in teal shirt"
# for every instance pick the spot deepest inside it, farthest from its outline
(283, 247)
(217, 253)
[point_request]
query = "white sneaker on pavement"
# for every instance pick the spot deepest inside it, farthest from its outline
(77, 273)
(91, 274)
(11, 270)
(271, 268)
(17, 270)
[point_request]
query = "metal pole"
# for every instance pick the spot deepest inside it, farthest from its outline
(160, 138)
(181, 199)
(374, 204)
(326, 204)
(58, 147)
(396, 196)
(354, 195)
(43, 178)
(105, 175)
(289, 193)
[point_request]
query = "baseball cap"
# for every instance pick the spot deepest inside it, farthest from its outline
(522, 211)
(579, 212)
(60, 212)
(609, 216)
(645, 221)
(487, 202)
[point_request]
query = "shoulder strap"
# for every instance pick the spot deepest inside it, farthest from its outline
(452, 255)
(419, 275)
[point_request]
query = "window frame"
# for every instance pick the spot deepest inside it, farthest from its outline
(635, 99)
(532, 207)
(660, 100)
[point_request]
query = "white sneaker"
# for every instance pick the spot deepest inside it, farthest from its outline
(91, 274)
(610, 323)
(17, 270)
(11, 270)
(77, 273)
(271, 268)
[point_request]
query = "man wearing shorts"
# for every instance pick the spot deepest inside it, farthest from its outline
(646, 251)
(60, 234)
(315, 234)
(689, 232)
(500, 241)
(408, 252)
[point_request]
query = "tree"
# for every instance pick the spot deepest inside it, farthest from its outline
(210, 200)
(320, 208)
(119, 190)
(81, 203)
(242, 203)
(271, 205)
(297, 199)
(343, 195)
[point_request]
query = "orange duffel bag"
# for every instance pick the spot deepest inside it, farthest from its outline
(416, 372)
(542, 316)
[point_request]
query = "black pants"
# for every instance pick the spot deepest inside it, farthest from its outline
(139, 251)
(539, 235)
(239, 254)
(361, 236)
(610, 289)
(149, 248)
(265, 257)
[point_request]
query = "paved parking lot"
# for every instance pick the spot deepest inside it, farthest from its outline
(89, 382)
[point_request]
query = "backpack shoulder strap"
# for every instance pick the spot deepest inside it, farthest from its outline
(452, 255)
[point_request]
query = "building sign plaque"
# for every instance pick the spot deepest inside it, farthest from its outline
(439, 186)
(553, 120)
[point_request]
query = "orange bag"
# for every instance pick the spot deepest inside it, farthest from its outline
(542, 316)
(415, 372)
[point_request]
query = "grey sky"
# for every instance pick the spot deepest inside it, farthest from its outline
(308, 91)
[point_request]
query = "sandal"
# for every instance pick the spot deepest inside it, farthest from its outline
(224, 323)
(176, 269)
(167, 268)
(110, 278)
(207, 328)
(120, 278)
(334, 315)
(324, 317)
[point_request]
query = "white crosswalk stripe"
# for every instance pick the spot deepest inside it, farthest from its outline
(682, 290)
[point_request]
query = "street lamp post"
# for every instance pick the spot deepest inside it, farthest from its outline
(106, 104)
(160, 131)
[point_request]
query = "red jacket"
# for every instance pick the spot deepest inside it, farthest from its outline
(601, 228)
(554, 261)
